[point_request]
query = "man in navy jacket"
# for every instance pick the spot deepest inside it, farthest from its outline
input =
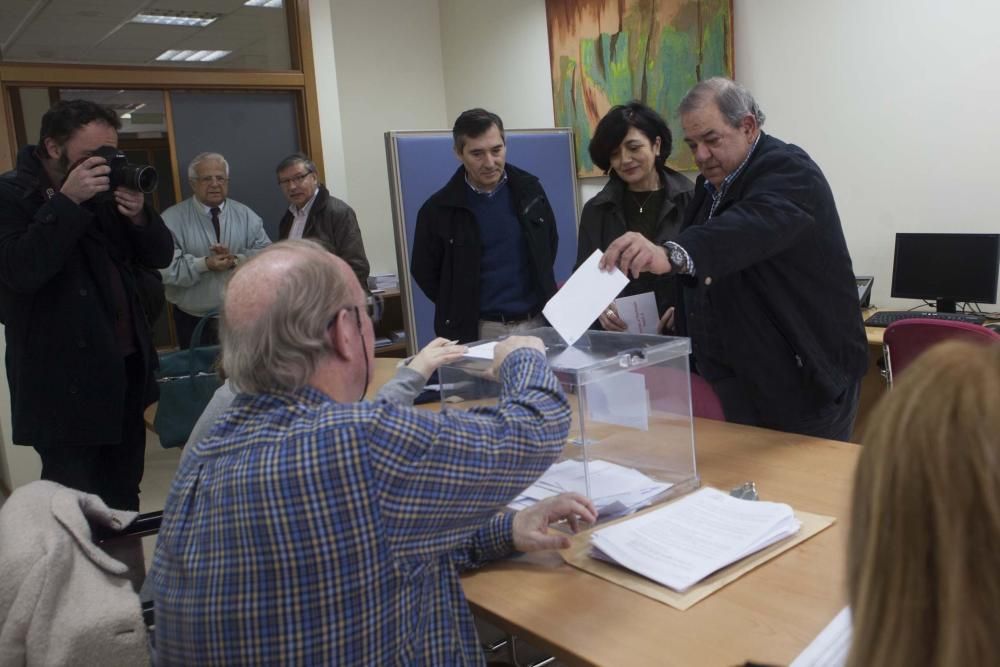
(770, 301)
(485, 243)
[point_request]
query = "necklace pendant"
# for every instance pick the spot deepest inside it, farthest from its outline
(640, 210)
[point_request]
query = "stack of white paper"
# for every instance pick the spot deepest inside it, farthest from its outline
(687, 540)
(614, 489)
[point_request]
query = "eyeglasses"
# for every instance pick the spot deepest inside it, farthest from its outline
(212, 179)
(297, 180)
(374, 305)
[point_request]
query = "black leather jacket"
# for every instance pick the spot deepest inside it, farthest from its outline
(333, 223)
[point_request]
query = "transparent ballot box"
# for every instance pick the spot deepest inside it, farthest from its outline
(631, 441)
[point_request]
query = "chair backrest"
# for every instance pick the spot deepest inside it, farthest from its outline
(704, 401)
(905, 340)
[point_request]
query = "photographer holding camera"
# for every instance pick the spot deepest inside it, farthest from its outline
(73, 230)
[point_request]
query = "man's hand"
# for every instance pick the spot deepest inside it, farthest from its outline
(610, 319)
(666, 322)
(220, 249)
(508, 345)
(633, 253)
(87, 179)
(130, 205)
(435, 354)
(220, 262)
(531, 525)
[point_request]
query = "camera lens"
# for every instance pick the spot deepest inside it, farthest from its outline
(140, 177)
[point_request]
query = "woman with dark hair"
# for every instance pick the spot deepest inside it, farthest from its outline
(631, 144)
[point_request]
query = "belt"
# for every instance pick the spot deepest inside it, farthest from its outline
(509, 318)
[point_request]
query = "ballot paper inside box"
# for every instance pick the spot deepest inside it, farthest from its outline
(631, 441)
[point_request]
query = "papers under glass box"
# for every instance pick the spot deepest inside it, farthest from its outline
(631, 441)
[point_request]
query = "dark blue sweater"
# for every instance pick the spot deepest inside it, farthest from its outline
(504, 271)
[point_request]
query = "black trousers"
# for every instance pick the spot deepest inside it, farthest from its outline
(184, 324)
(111, 471)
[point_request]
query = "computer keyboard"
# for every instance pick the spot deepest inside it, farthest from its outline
(884, 318)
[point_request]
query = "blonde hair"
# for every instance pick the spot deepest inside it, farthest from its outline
(923, 580)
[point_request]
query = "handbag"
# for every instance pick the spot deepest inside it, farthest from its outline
(187, 380)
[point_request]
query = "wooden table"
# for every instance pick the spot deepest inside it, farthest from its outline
(769, 615)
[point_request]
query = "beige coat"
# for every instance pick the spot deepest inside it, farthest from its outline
(64, 601)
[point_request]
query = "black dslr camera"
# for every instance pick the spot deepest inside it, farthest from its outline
(139, 177)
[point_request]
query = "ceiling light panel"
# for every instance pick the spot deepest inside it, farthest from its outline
(275, 4)
(193, 56)
(191, 20)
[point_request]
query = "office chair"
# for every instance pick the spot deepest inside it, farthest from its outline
(906, 340)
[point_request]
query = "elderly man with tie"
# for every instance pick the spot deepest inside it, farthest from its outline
(212, 234)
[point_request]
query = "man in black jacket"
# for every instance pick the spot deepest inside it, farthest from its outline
(313, 213)
(80, 357)
(485, 243)
(770, 301)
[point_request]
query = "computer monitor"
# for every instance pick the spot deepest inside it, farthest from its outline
(946, 268)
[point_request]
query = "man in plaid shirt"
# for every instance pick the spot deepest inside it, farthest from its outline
(309, 528)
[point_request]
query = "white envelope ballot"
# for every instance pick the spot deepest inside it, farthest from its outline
(582, 298)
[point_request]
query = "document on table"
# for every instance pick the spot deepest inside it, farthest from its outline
(639, 313)
(689, 539)
(614, 489)
(482, 351)
(582, 298)
(831, 646)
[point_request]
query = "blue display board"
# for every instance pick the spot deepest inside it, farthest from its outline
(420, 163)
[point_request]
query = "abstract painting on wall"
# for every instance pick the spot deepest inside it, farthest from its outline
(608, 52)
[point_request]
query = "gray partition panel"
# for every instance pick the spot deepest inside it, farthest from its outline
(420, 163)
(254, 131)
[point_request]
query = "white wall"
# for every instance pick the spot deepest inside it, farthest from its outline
(893, 99)
(388, 77)
(496, 56)
(330, 122)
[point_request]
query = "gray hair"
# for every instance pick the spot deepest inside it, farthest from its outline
(734, 101)
(294, 159)
(281, 348)
(205, 157)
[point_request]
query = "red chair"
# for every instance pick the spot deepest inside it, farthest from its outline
(704, 401)
(905, 340)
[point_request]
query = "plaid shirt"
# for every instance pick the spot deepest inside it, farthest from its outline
(305, 531)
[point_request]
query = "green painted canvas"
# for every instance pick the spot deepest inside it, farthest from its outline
(608, 52)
